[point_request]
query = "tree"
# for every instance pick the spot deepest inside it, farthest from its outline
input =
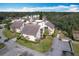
(8, 23)
(46, 32)
(41, 14)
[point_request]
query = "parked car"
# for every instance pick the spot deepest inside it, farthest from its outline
(6, 40)
(1, 27)
(0, 37)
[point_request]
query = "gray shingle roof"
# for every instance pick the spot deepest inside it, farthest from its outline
(16, 24)
(30, 29)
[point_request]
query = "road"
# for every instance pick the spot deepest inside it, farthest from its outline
(16, 49)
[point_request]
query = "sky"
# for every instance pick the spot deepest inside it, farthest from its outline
(34, 7)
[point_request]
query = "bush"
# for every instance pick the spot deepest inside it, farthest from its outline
(1, 45)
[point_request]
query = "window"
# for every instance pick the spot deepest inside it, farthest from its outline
(46, 27)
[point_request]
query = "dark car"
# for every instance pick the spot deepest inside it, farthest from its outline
(1, 27)
(6, 40)
(0, 37)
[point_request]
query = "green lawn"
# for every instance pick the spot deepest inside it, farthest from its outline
(9, 34)
(1, 45)
(76, 48)
(41, 46)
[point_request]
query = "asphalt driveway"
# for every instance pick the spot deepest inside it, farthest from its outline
(59, 46)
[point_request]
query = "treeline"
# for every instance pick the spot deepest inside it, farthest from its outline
(4, 15)
(66, 21)
(20, 14)
(17, 14)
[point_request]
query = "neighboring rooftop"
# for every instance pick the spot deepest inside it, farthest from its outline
(49, 24)
(16, 24)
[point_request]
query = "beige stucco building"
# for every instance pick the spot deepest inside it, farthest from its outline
(31, 29)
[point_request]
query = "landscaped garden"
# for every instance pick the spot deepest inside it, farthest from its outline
(1, 45)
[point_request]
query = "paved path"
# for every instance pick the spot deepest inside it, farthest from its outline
(5, 49)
